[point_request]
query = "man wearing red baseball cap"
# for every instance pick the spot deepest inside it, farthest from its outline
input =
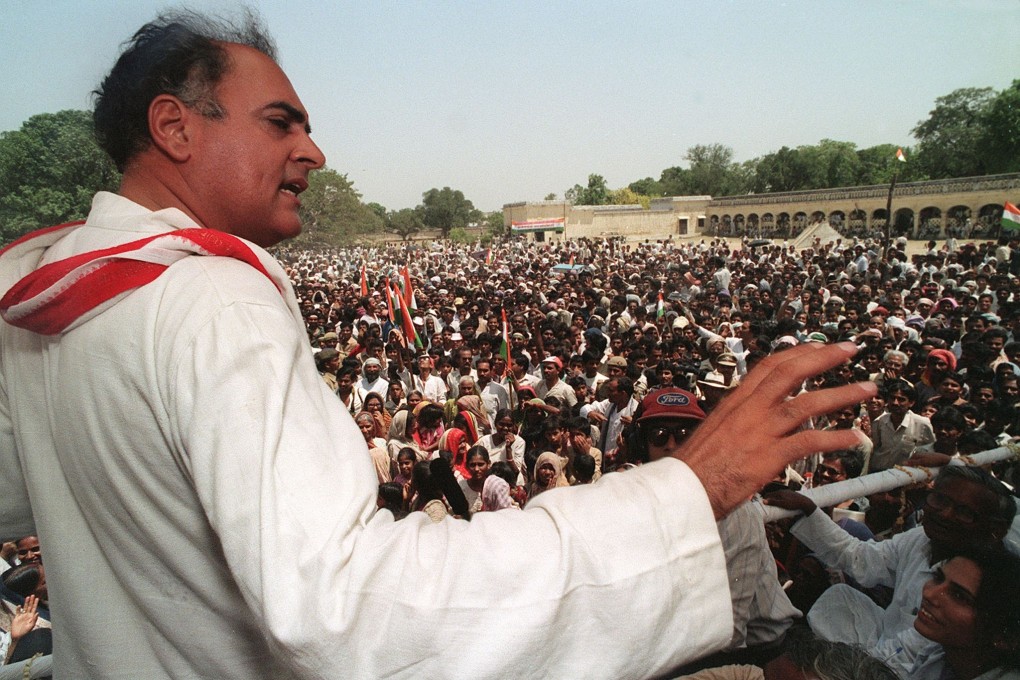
(667, 417)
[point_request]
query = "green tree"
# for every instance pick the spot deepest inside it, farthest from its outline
(782, 170)
(830, 164)
(378, 209)
(550, 197)
(494, 223)
(647, 187)
(460, 235)
(405, 222)
(445, 209)
(999, 142)
(712, 172)
(595, 193)
(949, 139)
(49, 171)
(676, 181)
(332, 212)
(710, 169)
(627, 196)
(878, 164)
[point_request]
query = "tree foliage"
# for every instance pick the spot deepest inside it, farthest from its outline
(596, 192)
(49, 171)
(949, 139)
(647, 187)
(332, 212)
(999, 141)
(494, 221)
(460, 235)
(445, 209)
(627, 196)
(405, 222)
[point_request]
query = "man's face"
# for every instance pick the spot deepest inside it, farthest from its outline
(484, 371)
(997, 343)
(898, 403)
(960, 514)
(550, 372)
(843, 419)
(372, 371)
(829, 471)
(28, 550)
(244, 171)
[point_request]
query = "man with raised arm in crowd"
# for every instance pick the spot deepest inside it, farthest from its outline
(159, 403)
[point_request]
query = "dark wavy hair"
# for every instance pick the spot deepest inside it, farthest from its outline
(179, 53)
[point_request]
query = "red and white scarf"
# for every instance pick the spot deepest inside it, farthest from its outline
(64, 294)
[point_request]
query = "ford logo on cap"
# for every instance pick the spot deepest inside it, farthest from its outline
(673, 399)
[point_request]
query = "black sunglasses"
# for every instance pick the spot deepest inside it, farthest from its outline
(658, 435)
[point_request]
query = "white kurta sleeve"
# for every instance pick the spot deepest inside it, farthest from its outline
(15, 508)
(870, 563)
(622, 579)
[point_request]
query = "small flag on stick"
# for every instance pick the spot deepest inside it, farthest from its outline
(900, 156)
(407, 323)
(390, 300)
(412, 304)
(504, 347)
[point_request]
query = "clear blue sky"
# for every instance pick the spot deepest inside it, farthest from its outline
(509, 101)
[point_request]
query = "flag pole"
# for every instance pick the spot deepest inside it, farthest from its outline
(888, 217)
(902, 158)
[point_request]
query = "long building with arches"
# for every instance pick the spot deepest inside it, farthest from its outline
(966, 207)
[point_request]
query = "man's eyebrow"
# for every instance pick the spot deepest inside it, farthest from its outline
(296, 115)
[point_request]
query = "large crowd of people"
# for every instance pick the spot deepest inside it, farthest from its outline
(521, 376)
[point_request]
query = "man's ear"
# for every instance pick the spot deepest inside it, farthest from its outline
(169, 126)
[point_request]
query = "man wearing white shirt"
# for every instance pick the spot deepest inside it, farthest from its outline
(552, 386)
(431, 386)
(494, 396)
(372, 381)
(612, 414)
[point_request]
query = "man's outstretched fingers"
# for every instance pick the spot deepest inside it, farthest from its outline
(781, 373)
(792, 413)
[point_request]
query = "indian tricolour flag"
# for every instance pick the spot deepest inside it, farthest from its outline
(660, 308)
(900, 156)
(1010, 218)
(504, 346)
